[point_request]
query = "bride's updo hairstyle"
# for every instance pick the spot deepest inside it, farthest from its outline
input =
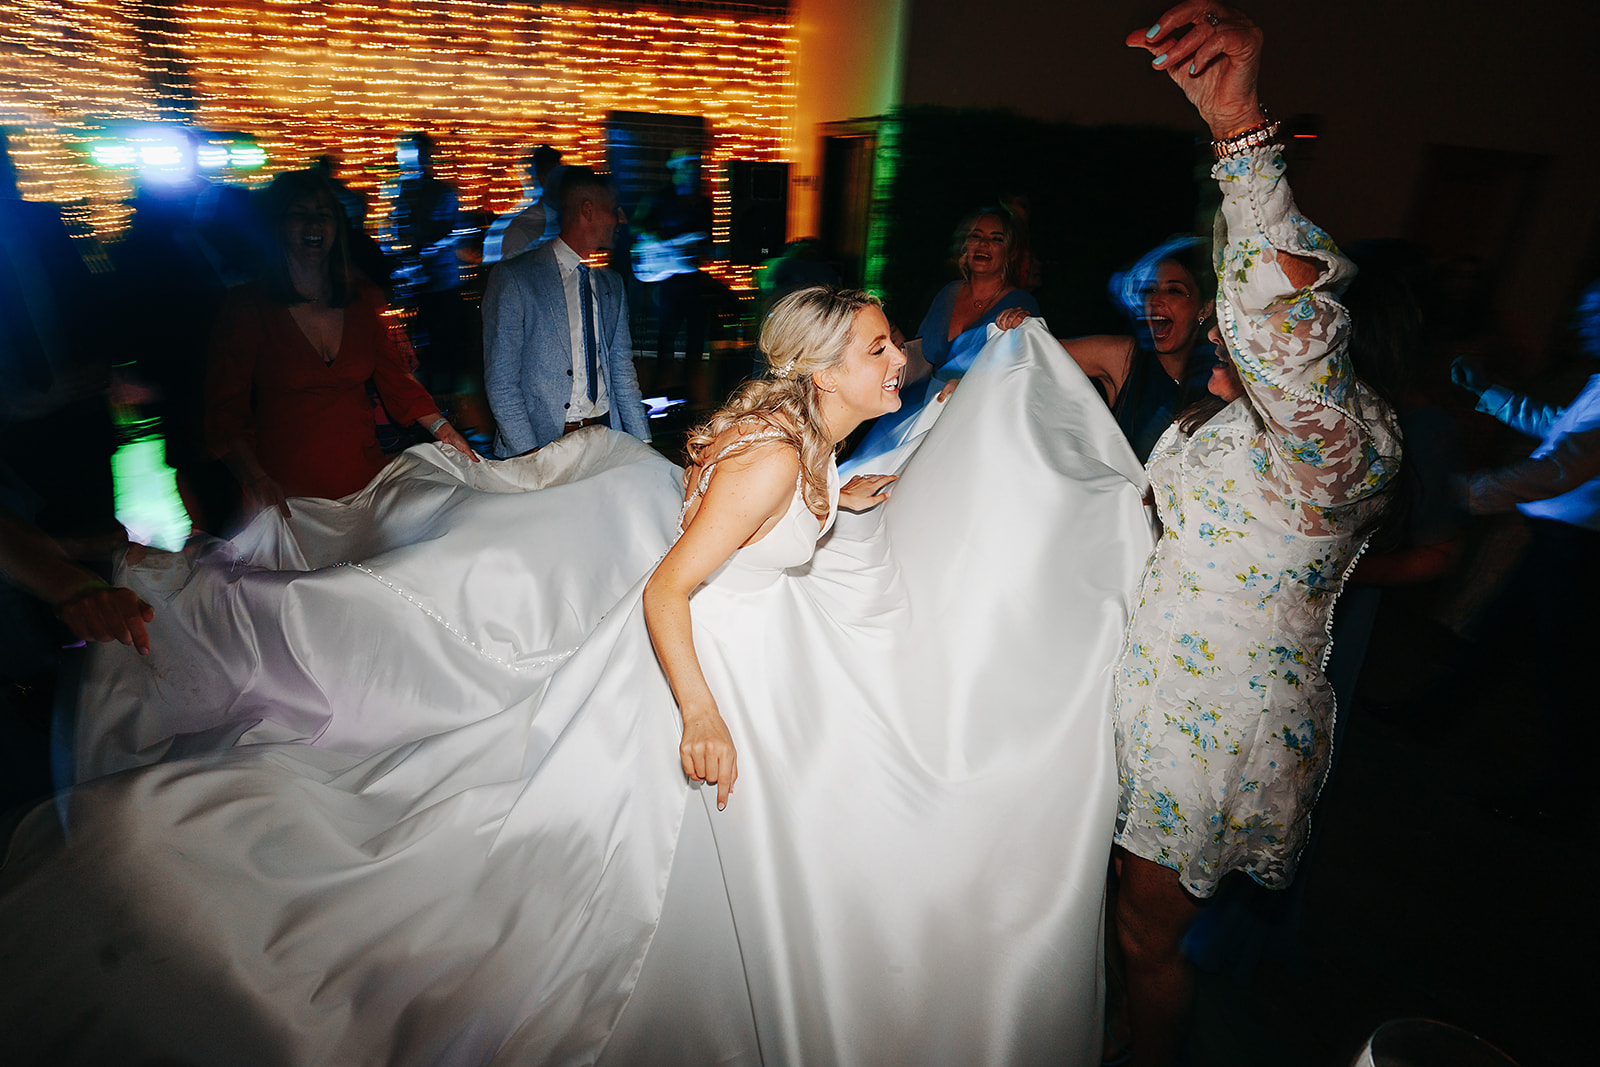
(806, 332)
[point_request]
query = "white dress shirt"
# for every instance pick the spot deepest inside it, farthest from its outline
(567, 262)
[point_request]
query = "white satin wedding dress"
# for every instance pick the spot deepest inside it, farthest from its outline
(399, 781)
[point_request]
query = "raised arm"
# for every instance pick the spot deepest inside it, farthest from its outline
(1284, 330)
(747, 494)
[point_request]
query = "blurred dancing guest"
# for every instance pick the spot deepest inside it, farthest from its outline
(1166, 365)
(673, 238)
(53, 371)
(1560, 481)
(990, 250)
(557, 353)
(1223, 713)
(286, 401)
(532, 222)
(427, 212)
(1553, 590)
(366, 255)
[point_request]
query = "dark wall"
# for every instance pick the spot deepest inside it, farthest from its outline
(1099, 198)
(1390, 80)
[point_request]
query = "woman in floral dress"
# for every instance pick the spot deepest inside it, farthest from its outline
(1224, 716)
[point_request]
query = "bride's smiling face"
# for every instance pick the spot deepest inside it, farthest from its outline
(867, 380)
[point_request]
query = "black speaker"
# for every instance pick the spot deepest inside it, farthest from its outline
(759, 197)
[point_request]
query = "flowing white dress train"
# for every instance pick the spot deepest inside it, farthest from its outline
(399, 783)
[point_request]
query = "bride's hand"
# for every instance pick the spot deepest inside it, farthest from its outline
(708, 754)
(865, 491)
(1011, 318)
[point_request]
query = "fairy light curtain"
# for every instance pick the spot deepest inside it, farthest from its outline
(305, 77)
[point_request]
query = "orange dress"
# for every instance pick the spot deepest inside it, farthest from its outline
(309, 422)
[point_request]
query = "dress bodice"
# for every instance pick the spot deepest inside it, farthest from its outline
(790, 542)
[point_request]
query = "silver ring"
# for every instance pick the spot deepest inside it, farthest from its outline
(1212, 18)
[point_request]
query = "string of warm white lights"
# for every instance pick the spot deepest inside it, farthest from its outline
(305, 77)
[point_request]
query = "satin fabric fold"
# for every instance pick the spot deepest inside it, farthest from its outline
(400, 783)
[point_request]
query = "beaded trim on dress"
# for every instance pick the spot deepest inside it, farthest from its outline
(759, 437)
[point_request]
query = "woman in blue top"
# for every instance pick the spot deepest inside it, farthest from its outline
(990, 249)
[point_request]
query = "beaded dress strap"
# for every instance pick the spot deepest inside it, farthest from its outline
(759, 437)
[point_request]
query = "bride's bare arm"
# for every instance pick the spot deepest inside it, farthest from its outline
(747, 492)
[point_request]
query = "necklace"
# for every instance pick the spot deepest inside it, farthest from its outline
(981, 304)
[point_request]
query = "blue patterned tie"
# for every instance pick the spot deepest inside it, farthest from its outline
(586, 298)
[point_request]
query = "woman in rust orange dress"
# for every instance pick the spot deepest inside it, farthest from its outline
(286, 401)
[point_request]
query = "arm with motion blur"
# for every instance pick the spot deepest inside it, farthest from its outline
(92, 610)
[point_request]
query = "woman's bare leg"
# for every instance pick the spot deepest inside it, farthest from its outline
(1153, 912)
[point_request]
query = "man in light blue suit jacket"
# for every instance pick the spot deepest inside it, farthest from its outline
(537, 370)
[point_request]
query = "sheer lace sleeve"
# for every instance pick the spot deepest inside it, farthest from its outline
(1323, 441)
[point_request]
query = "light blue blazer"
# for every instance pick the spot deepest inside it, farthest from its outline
(527, 353)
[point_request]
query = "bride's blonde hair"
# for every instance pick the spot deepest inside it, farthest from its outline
(806, 332)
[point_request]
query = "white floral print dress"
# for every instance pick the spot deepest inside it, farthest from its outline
(1224, 718)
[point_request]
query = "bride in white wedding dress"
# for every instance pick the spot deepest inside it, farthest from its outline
(404, 781)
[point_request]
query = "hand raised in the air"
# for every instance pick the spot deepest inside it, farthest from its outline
(1213, 53)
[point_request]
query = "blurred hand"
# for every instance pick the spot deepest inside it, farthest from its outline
(1466, 374)
(1215, 63)
(261, 493)
(865, 491)
(447, 435)
(108, 613)
(1010, 318)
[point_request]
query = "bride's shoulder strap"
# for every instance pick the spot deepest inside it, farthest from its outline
(744, 441)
